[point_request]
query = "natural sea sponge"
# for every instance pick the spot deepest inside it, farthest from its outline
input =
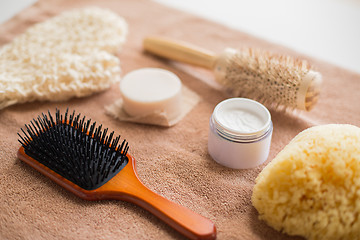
(312, 187)
(70, 55)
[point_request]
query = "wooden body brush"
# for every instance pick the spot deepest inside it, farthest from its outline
(279, 81)
(89, 163)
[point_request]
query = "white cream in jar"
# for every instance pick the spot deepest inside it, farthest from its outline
(240, 133)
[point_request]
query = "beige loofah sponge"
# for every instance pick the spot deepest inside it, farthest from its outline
(312, 187)
(69, 55)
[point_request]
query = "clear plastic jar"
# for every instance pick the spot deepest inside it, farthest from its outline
(240, 133)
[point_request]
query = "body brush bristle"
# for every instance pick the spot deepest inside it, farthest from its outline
(94, 165)
(74, 148)
(275, 80)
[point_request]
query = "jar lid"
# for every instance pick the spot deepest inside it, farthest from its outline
(242, 117)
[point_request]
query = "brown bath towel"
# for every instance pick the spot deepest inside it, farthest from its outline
(172, 162)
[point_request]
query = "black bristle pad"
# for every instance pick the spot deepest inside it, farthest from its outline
(74, 148)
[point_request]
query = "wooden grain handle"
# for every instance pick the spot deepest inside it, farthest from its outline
(187, 222)
(127, 186)
(180, 51)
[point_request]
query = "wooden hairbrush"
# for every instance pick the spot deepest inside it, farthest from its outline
(93, 165)
(275, 80)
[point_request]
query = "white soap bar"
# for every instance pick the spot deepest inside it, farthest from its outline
(149, 91)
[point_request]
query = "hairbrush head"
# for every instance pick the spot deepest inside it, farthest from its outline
(275, 80)
(82, 153)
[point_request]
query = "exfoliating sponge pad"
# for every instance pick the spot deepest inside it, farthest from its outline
(312, 187)
(70, 55)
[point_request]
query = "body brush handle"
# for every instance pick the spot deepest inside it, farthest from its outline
(180, 51)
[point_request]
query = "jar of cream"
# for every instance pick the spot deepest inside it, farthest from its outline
(240, 133)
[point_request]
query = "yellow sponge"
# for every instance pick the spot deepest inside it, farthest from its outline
(312, 187)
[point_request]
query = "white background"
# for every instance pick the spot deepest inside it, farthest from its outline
(325, 29)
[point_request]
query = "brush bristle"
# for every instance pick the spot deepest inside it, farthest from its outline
(275, 80)
(74, 148)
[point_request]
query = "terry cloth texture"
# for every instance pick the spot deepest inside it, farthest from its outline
(172, 162)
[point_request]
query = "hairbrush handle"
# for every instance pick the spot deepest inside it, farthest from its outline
(180, 51)
(182, 219)
(127, 186)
